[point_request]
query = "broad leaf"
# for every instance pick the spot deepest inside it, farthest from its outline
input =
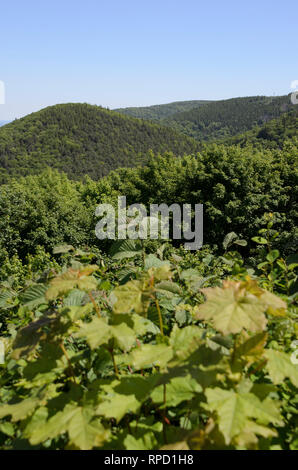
(149, 355)
(73, 278)
(96, 332)
(179, 389)
(130, 297)
(280, 367)
(232, 309)
(34, 296)
(235, 410)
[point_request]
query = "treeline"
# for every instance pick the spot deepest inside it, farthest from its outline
(236, 185)
(159, 112)
(81, 139)
(213, 120)
(227, 118)
(273, 134)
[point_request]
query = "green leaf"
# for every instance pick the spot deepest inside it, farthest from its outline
(162, 273)
(130, 297)
(232, 309)
(193, 279)
(234, 411)
(117, 405)
(149, 355)
(260, 240)
(151, 261)
(166, 287)
(96, 332)
(185, 340)
(280, 367)
(34, 296)
(28, 338)
(76, 421)
(143, 325)
(272, 255)
(74, 298)
(229, 240)
(74, 312)
(73, 278)
(147, 441)
(19, 410)
(7, 299)
(121, 249)
(240, 242)
(179, 389)
(125, 337)
(85, 434)
(7, 428)
(253, 346)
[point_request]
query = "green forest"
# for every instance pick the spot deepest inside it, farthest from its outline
(142, 344)
(82, 139)
(212, 120)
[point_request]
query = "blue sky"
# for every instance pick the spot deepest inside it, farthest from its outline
(134, 53)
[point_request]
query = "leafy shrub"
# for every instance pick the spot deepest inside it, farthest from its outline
(143, 352)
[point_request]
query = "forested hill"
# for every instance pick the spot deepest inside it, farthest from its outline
(83, 139)
(226, 118)
(160, 112)
(272, 135)
(213, 120)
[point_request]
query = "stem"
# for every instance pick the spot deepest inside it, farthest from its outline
(139, 345)
(164, 417)
(114, 362)
(96, 307)
(69, 362)
(143, 252)
(159, 316)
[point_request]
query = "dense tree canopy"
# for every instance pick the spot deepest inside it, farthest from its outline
(82, 139)
(159, 112)
(211, 120)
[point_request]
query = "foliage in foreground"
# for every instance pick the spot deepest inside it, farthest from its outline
(150, 351)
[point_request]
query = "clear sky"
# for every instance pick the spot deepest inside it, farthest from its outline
(119, 53)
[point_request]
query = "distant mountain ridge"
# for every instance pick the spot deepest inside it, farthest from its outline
(2, 123)
(83, 139)
(213, 120)
(158, 112)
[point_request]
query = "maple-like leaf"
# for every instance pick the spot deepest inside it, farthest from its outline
(149, 355)
(20, 410)
(131, 296)
(75, 420)
(84, 433)
(232, 309)
(96, 332)
(280, 367)
(117, 405)
(71, 279)
(179, 389)
(124, 336)
(235, 410)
